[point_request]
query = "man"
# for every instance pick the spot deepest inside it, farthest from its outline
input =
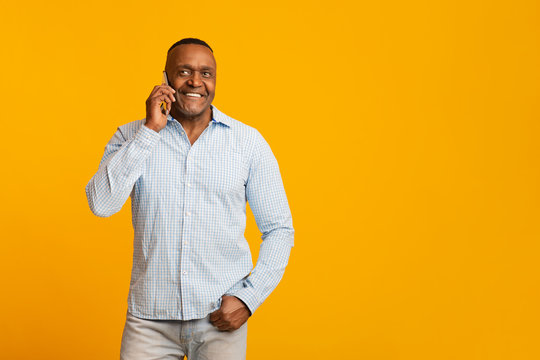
(190, 169)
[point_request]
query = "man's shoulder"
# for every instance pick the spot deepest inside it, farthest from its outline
(240, 129)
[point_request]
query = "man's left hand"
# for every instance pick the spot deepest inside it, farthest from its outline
(232, 314)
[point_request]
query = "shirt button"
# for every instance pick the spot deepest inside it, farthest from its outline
(189, 184)
(184, 272)
(188, 213)
(185, 242)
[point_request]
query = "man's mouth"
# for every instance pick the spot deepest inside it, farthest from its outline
(193, 95)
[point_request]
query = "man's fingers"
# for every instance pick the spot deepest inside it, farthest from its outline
(158, 99)
(215, 316)
(169, 92)
(161, 88)
(161, 95)
(161, 99)
(223, 326)
(219, 323)
(166, 92)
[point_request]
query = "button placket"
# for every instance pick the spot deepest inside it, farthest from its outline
(186, 221)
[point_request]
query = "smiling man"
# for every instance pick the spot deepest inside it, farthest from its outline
(190, 169)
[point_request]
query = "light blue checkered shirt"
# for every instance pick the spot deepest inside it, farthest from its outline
(188, 206)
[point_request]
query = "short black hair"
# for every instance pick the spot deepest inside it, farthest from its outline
(190, 41)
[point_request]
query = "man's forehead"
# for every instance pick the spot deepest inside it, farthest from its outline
(191, 54)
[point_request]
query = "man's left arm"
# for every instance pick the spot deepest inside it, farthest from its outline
(266, 196)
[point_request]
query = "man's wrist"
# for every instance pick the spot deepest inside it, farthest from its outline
(153, 127)
(248, 298)
(247, 307)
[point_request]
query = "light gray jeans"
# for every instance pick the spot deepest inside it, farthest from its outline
(198, 339)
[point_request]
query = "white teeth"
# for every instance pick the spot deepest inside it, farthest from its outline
(193, 95)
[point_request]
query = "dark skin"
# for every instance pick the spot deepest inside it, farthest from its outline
(191, 70)
(232, 314)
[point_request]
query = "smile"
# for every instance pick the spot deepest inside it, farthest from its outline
(195, 95)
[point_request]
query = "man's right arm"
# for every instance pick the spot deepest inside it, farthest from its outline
(122, 164)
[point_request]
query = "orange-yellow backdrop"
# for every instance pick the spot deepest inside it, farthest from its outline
(407, 135)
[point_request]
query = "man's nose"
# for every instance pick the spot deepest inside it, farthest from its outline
(195, 80)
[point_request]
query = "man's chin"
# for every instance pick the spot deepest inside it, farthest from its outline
(193, 111)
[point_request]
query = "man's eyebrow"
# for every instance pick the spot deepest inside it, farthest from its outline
(187, 66)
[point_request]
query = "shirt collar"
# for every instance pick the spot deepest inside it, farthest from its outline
(220, 117)
(217, 116)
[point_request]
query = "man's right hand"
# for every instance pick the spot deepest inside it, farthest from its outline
(155, 119)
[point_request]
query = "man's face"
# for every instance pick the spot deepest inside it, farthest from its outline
(191, 70)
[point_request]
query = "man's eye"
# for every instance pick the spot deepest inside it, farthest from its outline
(207, 74)
(184, 72)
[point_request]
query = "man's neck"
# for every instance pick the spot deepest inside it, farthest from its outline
(193, 123)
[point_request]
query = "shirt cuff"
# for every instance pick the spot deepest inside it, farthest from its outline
(248, 297)
(146, 137)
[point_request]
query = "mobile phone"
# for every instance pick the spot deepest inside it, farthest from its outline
(163, 103)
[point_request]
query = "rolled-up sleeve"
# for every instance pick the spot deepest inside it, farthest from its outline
(266, 196)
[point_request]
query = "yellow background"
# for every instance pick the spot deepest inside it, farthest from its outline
(407, 136)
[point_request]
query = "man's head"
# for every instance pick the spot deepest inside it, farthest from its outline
(191, 69)
(189, 41)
